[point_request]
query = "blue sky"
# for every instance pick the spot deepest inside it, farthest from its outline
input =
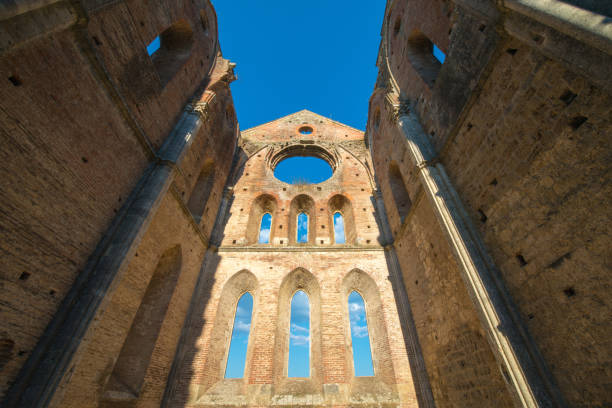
(264, 228)
(302, 228)
(301, 169)
(291, 55)
(299, 336)
(240, 337)
(362, 354)
(339, 237)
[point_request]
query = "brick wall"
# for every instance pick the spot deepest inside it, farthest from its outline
(322, 269)
(524, 140)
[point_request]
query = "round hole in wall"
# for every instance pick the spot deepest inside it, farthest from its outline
(305, 130)
(303, 170)
(303, 164)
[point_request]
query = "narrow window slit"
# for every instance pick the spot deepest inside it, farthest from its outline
(264, 229)
(339, 236)
(302, 229)
(299, 336)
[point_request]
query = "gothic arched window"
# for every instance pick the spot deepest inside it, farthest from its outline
(236, 357)
(360, 336)
(302, 228)
(398, 189)
(133, 361)
(264, 228)
(339, 237)
(299, 336)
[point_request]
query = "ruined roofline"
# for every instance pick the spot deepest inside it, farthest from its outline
(249, 130)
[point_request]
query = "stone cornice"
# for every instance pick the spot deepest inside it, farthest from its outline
(299, 249)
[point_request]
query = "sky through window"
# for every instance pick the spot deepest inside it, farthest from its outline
(264, 229)
(438, 54)
(299, 336)
(154, 46)
(362, 354)
(302, 228)
(236, 359)
(303, 170)
(339, 228)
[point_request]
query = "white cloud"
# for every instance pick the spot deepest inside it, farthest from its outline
(242, 326)
(303, 220)
(298, 328)
(359, 331)
(355, 307)
(264, 236)
(299, 340)
(299, 306)
(339, 229)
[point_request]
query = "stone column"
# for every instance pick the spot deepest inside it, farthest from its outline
(520, 361)
(411, 339)
(199, 300)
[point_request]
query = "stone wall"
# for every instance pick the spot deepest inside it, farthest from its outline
(532, 163)
(521, 124)
(131, 209)
(89, 128)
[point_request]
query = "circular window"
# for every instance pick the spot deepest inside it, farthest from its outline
(305, 130)
(303, 170)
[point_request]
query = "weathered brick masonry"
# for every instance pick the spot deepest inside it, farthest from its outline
(503, 155)
(100, 158)
(476, 207)
(328, 272)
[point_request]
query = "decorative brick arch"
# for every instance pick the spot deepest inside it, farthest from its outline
(214, 368)
(359, 281)
(263, 204)
(340, 203)
(302, 203)
(298, 279)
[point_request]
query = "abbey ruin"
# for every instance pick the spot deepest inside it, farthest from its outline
(476, 213)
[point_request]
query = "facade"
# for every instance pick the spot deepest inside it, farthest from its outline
(475, 207)
(272, 272)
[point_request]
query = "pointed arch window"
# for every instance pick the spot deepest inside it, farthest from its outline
(131, 367)
(302, 228)
(299, 336)
(264, 228)
(202, 190)
(236, 358)
(360, 336)
(398, 189)
(339, 237)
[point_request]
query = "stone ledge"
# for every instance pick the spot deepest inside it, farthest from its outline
(298, 249)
